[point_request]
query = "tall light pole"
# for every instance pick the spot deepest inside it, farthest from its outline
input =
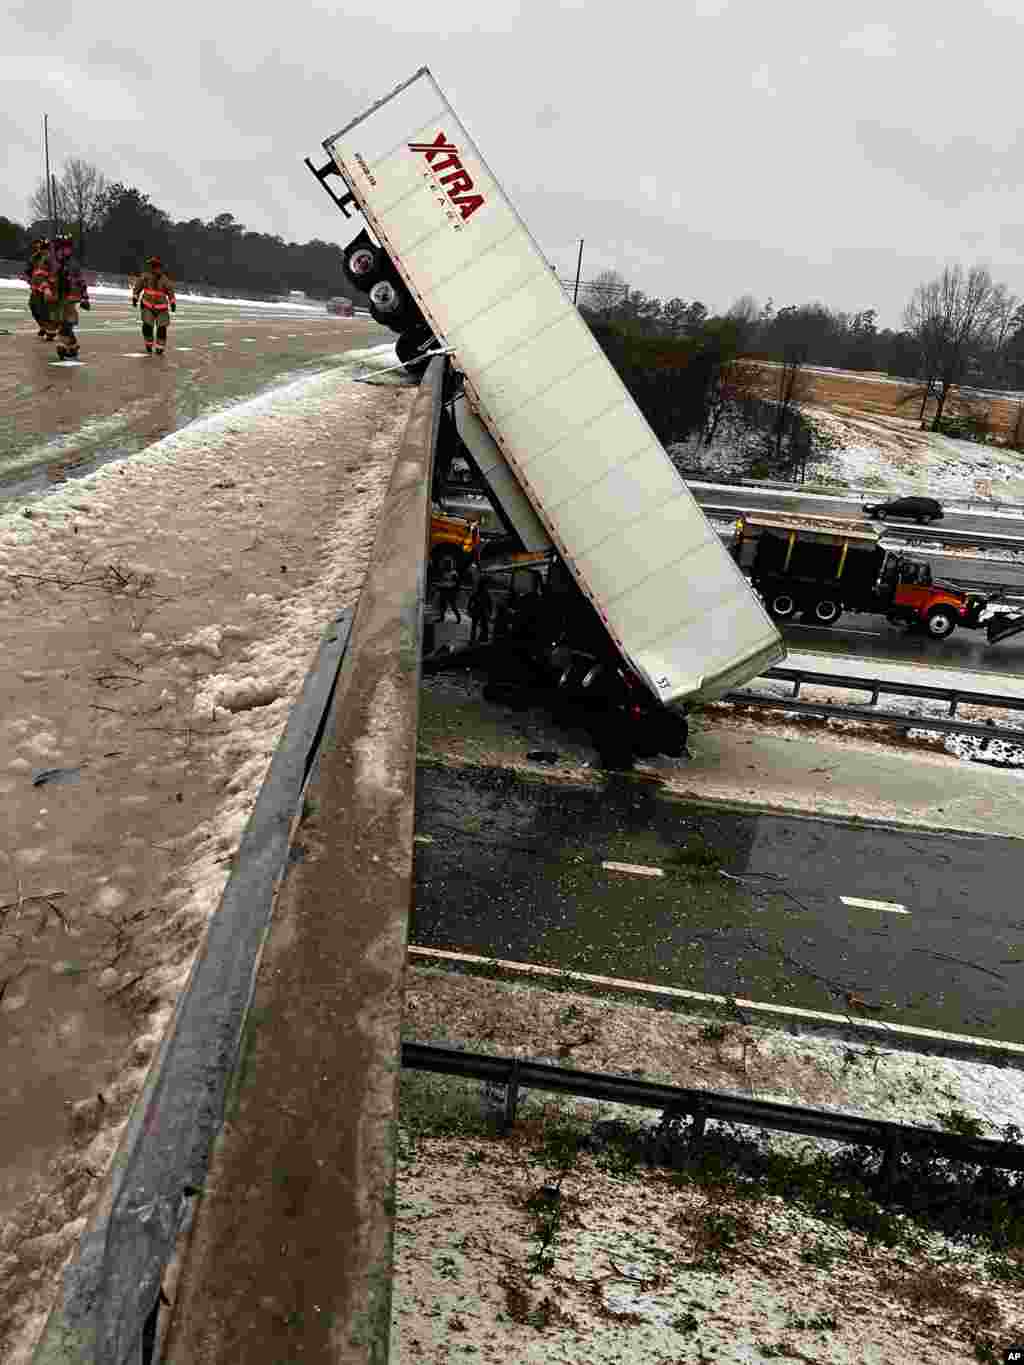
(579, 263)
(49, 179)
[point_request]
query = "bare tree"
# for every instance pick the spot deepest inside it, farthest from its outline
(83, 189)
(1007, 312)
(604, 293)
(950, 318)
(41, 205)
(78, 199)
(744, 314)
(791, 390)
(735, 384)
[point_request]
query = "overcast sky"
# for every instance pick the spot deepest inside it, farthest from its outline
(802, 150)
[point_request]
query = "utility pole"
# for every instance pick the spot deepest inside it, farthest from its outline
(579, 263)
(49, 179)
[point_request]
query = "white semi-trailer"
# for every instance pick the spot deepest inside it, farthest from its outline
(449, 260)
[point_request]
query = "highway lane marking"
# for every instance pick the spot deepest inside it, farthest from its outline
(859, 902)
(637, 869)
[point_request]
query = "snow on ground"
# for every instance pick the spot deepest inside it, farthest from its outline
(375, 363)
(159, 617)
(529, 1247)
(118, 291)
(974, 748)
(873, 455)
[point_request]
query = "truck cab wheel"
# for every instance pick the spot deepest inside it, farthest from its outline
(940, 622)
(782, 606)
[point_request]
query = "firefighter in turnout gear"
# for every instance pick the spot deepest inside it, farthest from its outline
(158, 302)
(68, 292)
(37, 273)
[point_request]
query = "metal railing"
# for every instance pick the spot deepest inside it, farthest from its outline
(878, 687)
(514, 1073)
(949, 539)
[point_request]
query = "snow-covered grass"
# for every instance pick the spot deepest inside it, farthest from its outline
(119, 291)
(871, 452)
(588, 1232)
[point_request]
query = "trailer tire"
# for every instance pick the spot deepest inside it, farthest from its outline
(826, 611)
(940, 623)
(782, 605)
(370, 263)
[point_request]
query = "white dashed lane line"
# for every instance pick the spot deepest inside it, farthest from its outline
(635, 869)
(862, 904)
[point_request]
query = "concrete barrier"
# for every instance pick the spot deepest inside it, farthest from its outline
(289, 1254)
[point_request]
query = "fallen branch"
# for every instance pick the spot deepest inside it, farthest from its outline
(24, 900)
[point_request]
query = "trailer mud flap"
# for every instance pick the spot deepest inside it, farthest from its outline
(1001, 627)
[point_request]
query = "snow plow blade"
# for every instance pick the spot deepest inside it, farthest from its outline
(1002, 627)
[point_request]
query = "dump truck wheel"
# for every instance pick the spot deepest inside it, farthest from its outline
(783, 606)
(940, 622)
(827, 611)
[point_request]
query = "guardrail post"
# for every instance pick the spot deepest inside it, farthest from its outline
(511, 1097)
(954, 697)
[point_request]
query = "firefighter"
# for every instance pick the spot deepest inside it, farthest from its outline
(68, 292)
(38, 275)
(480, 607)
(157, 294)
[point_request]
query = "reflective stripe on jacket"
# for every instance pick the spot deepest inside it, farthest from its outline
(40, 278)
(156, 291)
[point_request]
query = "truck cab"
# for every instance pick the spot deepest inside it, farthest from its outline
(914, 598)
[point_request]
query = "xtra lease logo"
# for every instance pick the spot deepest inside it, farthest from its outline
(456, 181)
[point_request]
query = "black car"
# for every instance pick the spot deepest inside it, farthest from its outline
(912, 509)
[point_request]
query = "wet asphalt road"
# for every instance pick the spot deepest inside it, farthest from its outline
(514, 869)
(765, 500)
(57, 421)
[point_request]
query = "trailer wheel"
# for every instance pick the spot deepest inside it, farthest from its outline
(362, 267)
(782, 606)
(940, 622)
(827, 612)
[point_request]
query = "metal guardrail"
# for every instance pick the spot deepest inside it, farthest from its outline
(693, 474)
(896, 531)
(880, 687)
(895, 1138)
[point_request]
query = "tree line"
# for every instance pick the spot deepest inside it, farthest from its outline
(961, 327)
(116, 226)
(686, 367)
